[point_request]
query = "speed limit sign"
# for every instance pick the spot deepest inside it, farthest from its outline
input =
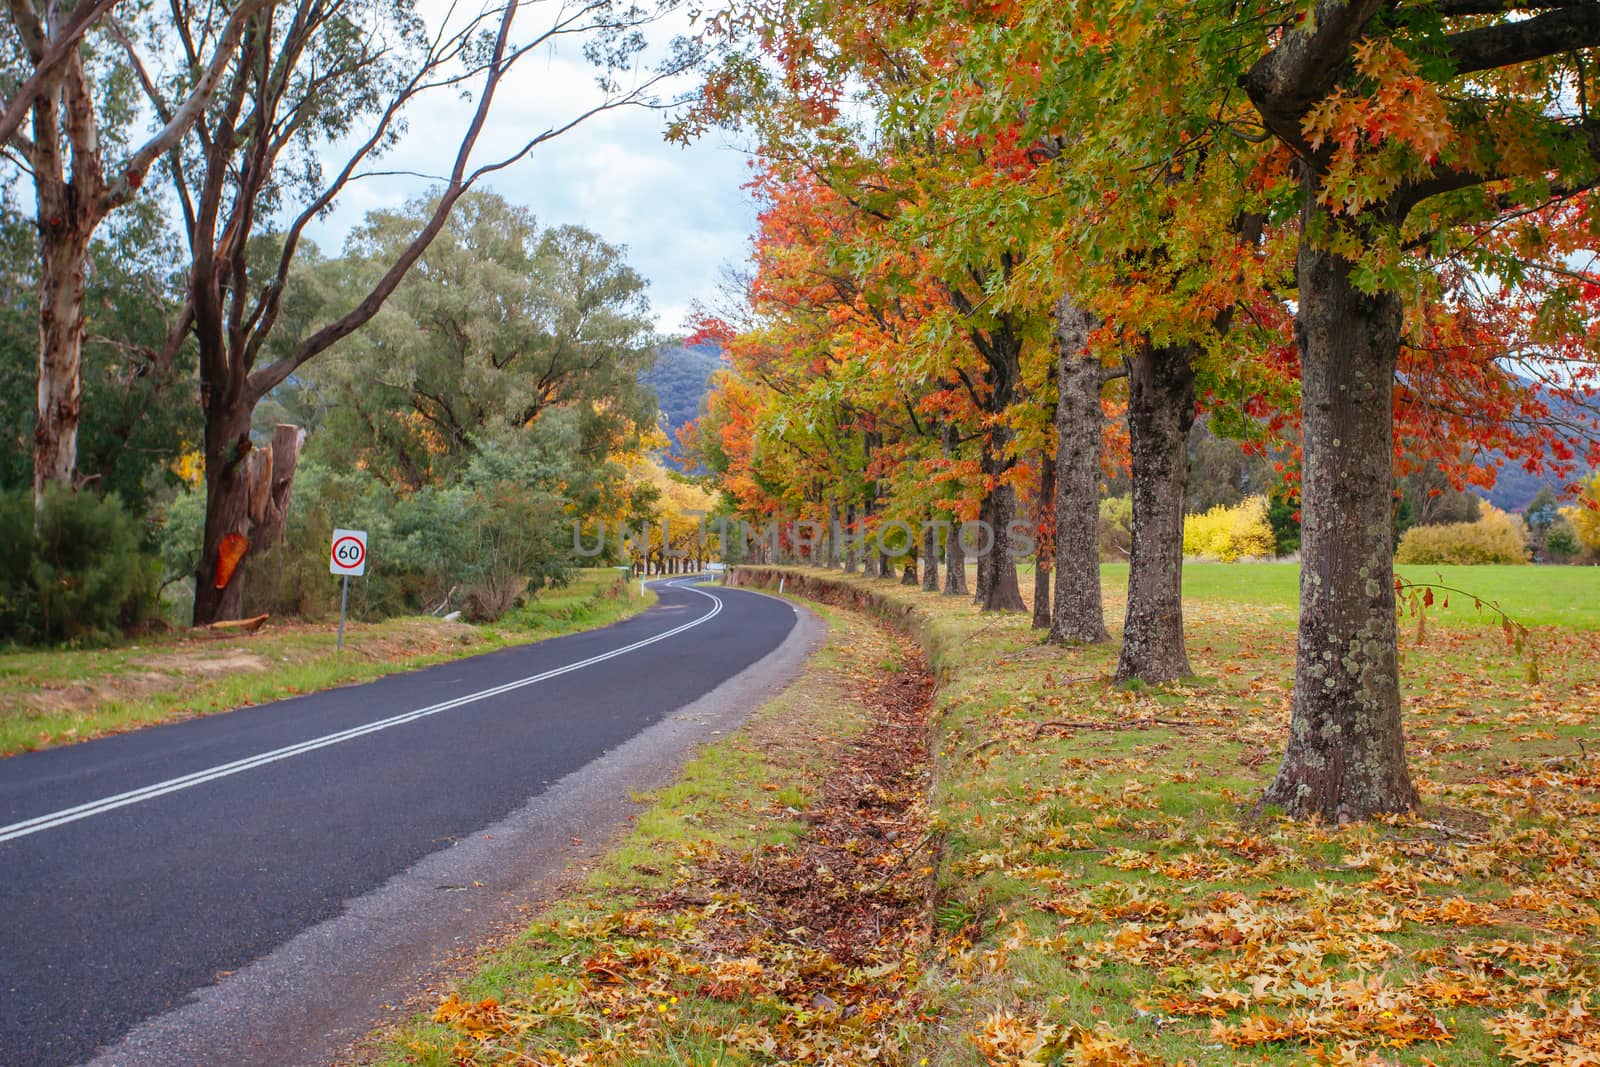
(349, 555)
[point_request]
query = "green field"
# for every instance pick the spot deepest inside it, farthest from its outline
(1534, 596)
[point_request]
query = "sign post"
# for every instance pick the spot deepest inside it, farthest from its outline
(347, 557)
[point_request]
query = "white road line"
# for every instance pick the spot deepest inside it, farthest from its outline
(173, 785)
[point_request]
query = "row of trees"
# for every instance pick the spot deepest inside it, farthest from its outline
(1006, 246)
(246, 123)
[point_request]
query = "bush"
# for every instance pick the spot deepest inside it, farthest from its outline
(82, 577)
(1584, 517)
(1115, 529)
(1229, 534)
(1561, 540)
(1495, 538)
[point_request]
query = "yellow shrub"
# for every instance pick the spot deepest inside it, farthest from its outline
(1495, 538)
(1229, 534)
(1585, 517)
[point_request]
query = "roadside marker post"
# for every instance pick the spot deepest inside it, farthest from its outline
(347, 558)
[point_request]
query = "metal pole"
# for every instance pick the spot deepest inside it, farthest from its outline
(344, 598)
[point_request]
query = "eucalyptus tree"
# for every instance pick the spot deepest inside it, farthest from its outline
(317, 92)
(498, 323)
(57, 67)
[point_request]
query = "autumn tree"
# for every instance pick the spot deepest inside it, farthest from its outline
(1406, 130)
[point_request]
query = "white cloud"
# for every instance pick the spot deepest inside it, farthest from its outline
(681, 212)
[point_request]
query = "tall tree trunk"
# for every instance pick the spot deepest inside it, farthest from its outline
(985, 560)
(1004, 593)
(1078, 614)
(227, 450)
(955, 559)
(64, 255)
(869, 551)
(930, 555)
(832, 557)
(955, 563)
(1160, 413)
(1346, 754)
(1046, 541)
(850, 542)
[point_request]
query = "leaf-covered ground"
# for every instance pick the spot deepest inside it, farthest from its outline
(1106, 890)
(767, 908)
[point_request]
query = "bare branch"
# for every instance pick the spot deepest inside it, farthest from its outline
(47, 62)
(132, 174)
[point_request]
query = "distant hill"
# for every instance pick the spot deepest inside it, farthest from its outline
(681, 378)
(1514, 488)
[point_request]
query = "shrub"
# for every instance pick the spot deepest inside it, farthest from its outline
(1561, 540)
(1495, 538)
(1230, 533)
(81, 577)
(1585, 517)
(1115, 529)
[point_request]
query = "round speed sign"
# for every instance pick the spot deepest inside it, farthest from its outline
(349, 553)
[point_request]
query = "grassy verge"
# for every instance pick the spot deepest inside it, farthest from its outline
(765, 908)
(60, 696)
(1111, 895)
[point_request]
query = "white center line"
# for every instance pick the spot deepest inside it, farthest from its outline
(173, 785)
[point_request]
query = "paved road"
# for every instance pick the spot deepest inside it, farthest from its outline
(138, 869)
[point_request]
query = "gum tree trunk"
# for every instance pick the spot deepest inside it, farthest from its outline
(1160, 413)
(1046, 551)
(930, 555)
(227, 449)
(64, 254)
(1078, 615)
(1346, 754)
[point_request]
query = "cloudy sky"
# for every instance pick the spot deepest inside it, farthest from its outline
(681, 212)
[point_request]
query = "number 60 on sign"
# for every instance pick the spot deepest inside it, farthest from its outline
(349, 554)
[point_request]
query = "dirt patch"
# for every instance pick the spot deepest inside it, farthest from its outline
(205, 665)
(82, 696)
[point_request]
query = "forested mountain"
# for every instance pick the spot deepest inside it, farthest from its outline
(681, 378)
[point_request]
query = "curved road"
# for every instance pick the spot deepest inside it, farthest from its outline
(138, 870)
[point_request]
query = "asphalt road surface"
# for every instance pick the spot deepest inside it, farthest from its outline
(138, 872)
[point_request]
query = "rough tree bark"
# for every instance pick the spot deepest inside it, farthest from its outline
(955, 559)
(254, 504)
(63, 262)
(1160, 413)
(1078, 613)
(909, 575)
(1046, 541)
(1346, 753)
(850, 538)
(832, 558)
(983, 576)
(930, 554)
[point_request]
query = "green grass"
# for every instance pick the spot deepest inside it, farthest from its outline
(62, 696)
(1534, 596)
(1055, 840)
